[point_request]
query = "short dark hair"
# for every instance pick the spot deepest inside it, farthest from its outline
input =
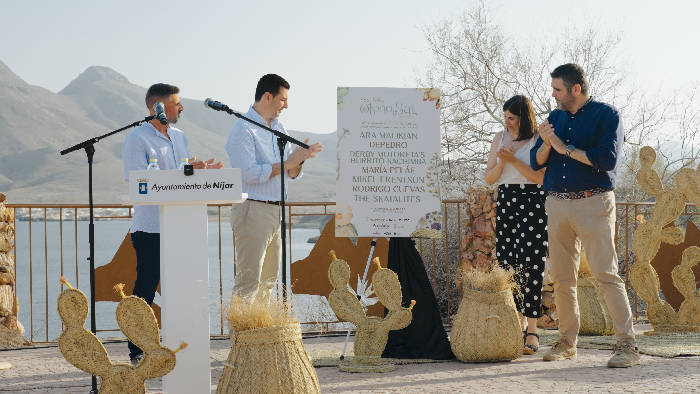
(521, 107)
(160, 92)
(571, 74)
(270, 83)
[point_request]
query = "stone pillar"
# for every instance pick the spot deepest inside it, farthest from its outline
(11, 330)
(478, 244)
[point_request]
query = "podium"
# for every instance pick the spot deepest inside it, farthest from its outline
(184, 262)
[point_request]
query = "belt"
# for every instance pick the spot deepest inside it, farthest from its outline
(266, 202)
(579, 195)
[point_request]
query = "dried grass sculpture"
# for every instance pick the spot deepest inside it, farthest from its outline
(267, 354)
(487, 327)
(372, 332)
(684, 280)
(84, 351)
(11, 330)
(647, 240)
(660, 313)
(669, 205)
(10, 338)
(594, 315)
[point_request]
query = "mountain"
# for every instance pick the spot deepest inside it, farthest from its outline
(36, 124)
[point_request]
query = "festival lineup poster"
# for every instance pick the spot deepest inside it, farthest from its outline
(388, 162)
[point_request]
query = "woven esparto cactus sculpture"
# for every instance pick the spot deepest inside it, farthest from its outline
(647, 240)
(684, 280)
(83, 350)
(372, 332)
(669, 205)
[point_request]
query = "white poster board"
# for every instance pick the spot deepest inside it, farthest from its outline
(388, 162)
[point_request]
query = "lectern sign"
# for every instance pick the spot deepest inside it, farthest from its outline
(173, 185)
(388, 162)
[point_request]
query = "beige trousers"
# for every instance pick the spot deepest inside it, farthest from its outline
(256, 228)
(587, 222)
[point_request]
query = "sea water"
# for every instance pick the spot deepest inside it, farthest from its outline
(48, 262)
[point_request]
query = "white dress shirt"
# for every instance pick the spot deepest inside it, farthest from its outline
(254, 150)
(142, 144)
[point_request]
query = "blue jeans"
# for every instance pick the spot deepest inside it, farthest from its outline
(147, 246)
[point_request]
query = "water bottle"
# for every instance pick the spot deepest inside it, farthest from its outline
(153, 165)
(185, 161)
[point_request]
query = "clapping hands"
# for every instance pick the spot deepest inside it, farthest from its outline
(546, 132)
(505, 155)
(201, 165)
(300, 154)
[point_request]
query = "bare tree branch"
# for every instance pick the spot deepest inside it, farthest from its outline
(477, 68)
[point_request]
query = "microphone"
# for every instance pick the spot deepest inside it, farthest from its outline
(215, 105)
(160, 113)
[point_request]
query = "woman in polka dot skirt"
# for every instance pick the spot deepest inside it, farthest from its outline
(521, 220)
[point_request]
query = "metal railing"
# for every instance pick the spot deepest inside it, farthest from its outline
(31, 211)
(38, 258)
(441, 257)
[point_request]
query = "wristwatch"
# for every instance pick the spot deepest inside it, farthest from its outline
(569, 149)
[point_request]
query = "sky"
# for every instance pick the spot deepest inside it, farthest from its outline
(220, 49)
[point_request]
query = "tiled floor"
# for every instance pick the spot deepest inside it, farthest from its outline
(43, 370)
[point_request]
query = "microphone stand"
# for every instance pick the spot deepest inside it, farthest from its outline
(89, 147)
(282, 140)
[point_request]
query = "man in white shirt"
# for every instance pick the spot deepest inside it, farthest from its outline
(256, 222)
(168, 146)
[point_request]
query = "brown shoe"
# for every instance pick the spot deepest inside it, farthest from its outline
(561, 350)
(626, 355)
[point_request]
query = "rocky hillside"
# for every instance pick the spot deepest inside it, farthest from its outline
(36, 124)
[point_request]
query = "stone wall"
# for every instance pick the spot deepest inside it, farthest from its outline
(11, 330)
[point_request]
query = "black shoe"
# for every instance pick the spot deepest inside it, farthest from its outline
(531, 349)
(136, 359)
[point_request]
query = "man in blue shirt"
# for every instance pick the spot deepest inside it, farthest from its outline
(256, 222)
(580, 144)
(168, 146)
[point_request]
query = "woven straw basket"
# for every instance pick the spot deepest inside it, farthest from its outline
(13, 338)
(268, 360)
(595, 317)
(487, 328)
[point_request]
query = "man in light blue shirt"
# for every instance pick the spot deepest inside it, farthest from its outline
(256, 222)
(168, 146)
